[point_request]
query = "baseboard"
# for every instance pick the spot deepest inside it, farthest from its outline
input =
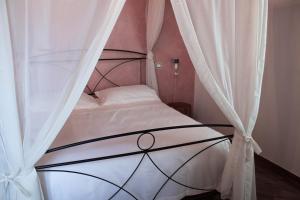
(277, 169)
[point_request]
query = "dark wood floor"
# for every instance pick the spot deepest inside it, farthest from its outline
(272, 182)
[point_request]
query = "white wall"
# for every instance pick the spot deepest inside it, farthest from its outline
(278, 124)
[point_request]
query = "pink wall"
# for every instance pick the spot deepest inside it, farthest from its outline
(130, 34)
(170, 45)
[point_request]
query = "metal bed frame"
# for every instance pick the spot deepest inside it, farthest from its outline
(136, 56)
(145, 152)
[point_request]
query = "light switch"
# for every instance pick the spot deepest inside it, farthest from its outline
(158, 65)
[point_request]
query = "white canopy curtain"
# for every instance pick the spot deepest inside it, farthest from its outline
(48, 51)
(226, 41)
(155, 17)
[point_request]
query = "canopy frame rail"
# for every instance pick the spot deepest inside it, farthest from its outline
(130, 56)
(144, 152)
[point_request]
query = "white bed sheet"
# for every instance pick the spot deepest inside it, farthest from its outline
(204, 171)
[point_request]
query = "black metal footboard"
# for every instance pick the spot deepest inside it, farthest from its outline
(144, 151)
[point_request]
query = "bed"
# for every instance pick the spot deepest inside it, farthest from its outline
(128, 144)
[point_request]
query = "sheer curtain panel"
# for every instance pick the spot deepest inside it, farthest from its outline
(154, 21)
(48, 50)
(226, 42)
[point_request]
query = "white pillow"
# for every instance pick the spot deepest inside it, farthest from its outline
(126, 94)
(86, 102)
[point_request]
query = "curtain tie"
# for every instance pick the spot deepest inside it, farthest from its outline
(256, 147)
(251, 143)
(12, 179)
(150, 55)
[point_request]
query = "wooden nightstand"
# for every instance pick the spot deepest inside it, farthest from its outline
(182, 107)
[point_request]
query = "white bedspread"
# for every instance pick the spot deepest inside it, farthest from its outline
(203, 171)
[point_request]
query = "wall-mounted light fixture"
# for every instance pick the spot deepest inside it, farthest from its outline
(175, 61)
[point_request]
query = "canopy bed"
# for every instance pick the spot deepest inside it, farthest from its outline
(155, 144)
(46, 63)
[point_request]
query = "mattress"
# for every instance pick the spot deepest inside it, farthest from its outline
(201, 172)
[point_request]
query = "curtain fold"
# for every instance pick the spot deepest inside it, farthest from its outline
(226, 42)
(48, 51)
(154, 21)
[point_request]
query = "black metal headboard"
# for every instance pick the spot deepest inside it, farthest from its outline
(129, 56)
